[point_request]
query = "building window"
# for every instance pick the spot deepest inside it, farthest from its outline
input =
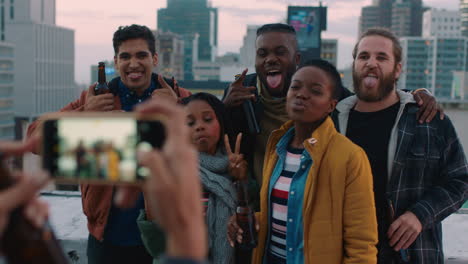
(2, 14)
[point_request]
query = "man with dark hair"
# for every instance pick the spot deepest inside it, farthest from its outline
(420, 170)
(277, 57)
(124, 33)
(114, 236)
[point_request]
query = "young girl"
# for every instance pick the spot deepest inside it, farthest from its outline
(219, 167)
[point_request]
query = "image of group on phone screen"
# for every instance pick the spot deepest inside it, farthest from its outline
(101, 159)
(97, 149)
(289, 166)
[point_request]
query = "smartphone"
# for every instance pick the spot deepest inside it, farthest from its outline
(98, 147)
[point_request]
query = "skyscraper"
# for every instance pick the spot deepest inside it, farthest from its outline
(44, 57)
(7, 68)
(369, 18)
(170, 48)
(407, 17)
(26, 11)
(403, 17)
(432, 62)
(464, 17)
(441, 23)
(189, 17)
(247, 50)
(379, 14)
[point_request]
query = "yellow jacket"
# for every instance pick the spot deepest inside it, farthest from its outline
(339, 219)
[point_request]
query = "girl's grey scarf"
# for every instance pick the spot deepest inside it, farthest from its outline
(221, 204)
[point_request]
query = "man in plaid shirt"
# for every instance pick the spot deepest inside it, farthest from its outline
(420, 170)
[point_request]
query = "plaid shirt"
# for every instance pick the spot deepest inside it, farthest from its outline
(428, 175)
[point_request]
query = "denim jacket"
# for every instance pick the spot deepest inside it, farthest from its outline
(295, 232)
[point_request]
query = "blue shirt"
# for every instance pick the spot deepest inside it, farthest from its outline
(129, 98)
(295, 230)
(121, 228)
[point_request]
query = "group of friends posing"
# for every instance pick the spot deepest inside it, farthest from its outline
(338, 177)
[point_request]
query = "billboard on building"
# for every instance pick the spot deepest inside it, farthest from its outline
(308, 21)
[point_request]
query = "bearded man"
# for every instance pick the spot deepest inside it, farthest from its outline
(420, 170)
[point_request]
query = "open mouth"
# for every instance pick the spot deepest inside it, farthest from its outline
(274, 79)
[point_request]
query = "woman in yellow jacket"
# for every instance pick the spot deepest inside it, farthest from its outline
(317, 201)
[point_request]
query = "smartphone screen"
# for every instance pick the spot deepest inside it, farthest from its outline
(102, 149)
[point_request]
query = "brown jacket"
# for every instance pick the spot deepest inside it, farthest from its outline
(97, 199)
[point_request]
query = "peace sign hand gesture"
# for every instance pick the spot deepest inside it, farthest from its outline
(237, 165)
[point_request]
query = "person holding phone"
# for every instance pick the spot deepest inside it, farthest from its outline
(114, 235)
(25, 189)
(181, 219)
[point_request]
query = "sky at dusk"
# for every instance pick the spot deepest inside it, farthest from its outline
(95, 21)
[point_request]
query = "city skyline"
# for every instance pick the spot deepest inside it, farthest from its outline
(95, 21)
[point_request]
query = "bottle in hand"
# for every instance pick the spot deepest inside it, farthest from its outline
(101, 87)
(23, 243)
(245, 218)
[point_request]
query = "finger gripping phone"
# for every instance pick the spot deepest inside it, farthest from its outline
(100, 148)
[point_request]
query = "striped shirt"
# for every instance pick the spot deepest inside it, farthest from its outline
(279, 204)
(205, 199)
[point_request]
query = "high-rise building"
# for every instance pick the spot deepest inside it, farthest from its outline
(189, 17)
(170, 49)
(460, 85)
(7, 120)
(407, 17)
(44, 58)
(329, 51)
(247, 51)
(379, 14)
(190, 54)
(464, 17)
(432, 62)
(441, 23)
(26, 11)
(369, 18)
(403, 17)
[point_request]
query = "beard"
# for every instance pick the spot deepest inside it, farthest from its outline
(385, 86)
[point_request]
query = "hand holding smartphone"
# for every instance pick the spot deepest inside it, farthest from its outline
(99, 147)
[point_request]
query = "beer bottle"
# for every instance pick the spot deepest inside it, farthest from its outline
(245, 218)
(101, 87)
(23, 243)
(247, 106)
